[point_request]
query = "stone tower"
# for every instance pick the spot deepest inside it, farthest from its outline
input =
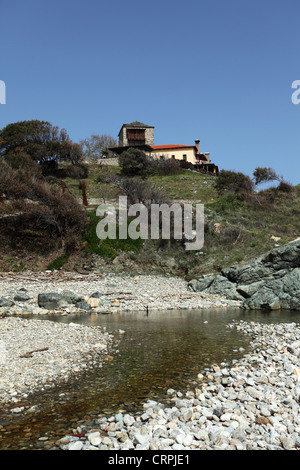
(136, 134)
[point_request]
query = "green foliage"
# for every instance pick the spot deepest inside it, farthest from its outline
(107, 248)
(77, 172)
(227, 203)
(232, 181)
(59, 262)
(163, 166)
(285, 187)
(263, 175)
(21, 160)
(134, 162)
(42, 141)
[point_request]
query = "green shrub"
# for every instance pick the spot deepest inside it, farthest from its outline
(227, 203)
(40, 209)
(58, 262)
(232, 181)
(78, 172)
(107, 248)
(134, 162)
(285, 187)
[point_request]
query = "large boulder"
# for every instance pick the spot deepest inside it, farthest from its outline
(54, 300)
(270, 281)
(219, 285)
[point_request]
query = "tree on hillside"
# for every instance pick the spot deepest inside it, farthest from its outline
(264, 175)
(134, 162)
(42, 141)
(72, 152)
(97, 146)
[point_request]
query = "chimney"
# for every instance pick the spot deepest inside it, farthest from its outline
(197, 143)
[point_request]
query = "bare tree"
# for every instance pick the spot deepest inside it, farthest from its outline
(97, 146)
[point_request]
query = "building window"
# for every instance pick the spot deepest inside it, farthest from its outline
(136, 134)
(184, 157)
(173, 156)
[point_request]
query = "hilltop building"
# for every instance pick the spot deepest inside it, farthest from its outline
(137, 134)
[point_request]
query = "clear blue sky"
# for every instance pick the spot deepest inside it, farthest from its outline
(215, 70)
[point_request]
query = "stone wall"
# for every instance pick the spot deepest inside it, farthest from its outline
(110, 161)
(149, 134)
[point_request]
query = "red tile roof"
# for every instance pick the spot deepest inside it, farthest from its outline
(157, 147)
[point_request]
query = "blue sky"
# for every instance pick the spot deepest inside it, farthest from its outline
(216, 70)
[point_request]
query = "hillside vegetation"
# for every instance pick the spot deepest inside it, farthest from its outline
(238, 225)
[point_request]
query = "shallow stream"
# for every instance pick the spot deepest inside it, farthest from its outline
(156, 352)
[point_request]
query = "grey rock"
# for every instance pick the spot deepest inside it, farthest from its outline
(83, 305)
(248, 290)
(263, 300)
(96, 295)
(21, 297)
(54, 300)
(216, 285)
(6, 302)
(270, 281)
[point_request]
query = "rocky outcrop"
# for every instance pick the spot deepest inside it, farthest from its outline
(270, 281)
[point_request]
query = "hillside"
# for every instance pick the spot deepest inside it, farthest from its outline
(246, 227)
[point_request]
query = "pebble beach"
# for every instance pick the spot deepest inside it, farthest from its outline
(102, 293)
(251, 404)
(36, 354)
(57, 351)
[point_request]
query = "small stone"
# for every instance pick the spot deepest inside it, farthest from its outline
(93, 302)
(77, 445)
(128, 420)
(262, 420)
(226, 417)
(95, 438)
(142, 439)
(288, 443)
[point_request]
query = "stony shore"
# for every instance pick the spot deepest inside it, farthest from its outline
(251, 405)
(99, 293)
(35, 354)
(59, 350)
